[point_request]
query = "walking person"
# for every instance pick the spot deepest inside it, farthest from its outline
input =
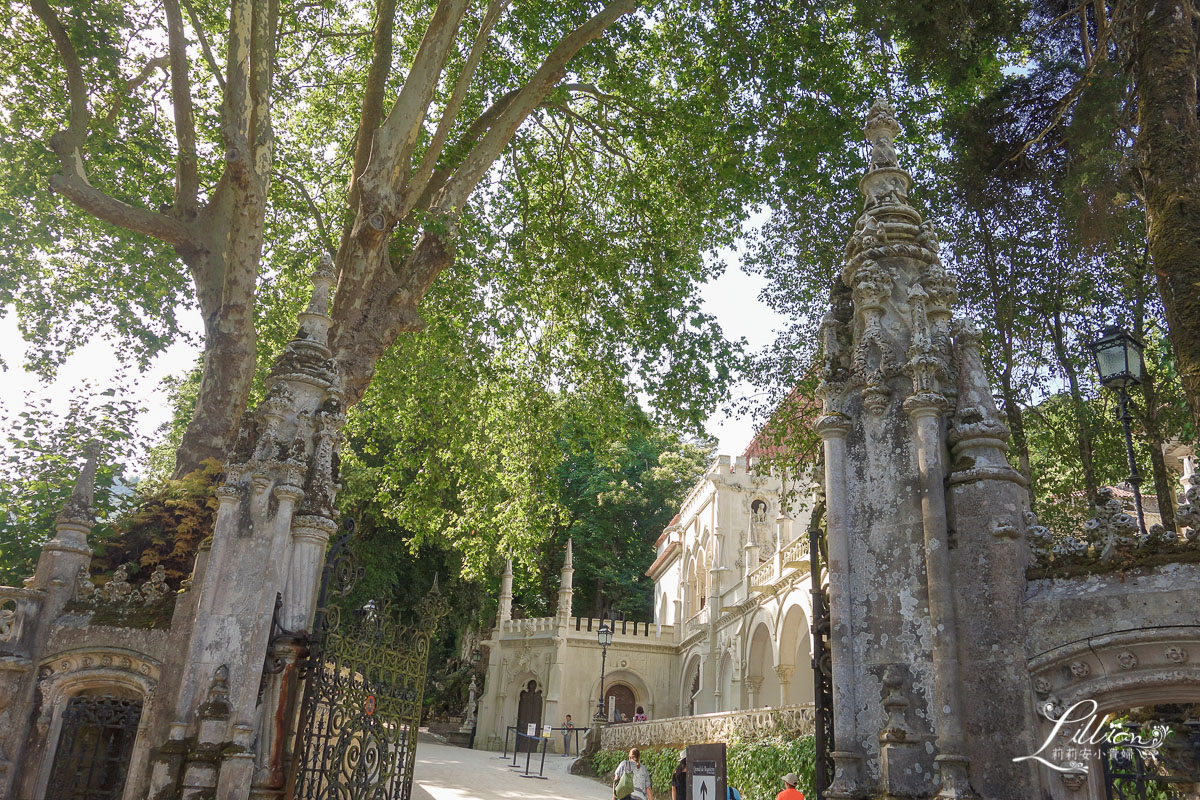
(790, 792)
(631, 774)
(640, 716)
(679, 781)
(568, 732)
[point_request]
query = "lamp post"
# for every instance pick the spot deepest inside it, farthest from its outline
(1118, 356)
(604, 637)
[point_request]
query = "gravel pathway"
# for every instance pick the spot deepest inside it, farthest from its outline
(445, 772)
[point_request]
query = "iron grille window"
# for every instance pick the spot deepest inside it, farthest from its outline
(94, 748)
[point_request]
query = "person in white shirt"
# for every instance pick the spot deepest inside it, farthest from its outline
(641, 776)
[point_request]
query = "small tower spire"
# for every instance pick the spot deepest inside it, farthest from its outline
(566, 584)
(68, 552)
(506, 582)
(315, 321)
(886, 184)
(78, 508)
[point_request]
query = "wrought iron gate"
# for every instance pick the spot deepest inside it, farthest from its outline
(362, 701)
(94, 748)
(822, 659)
(1170, 772)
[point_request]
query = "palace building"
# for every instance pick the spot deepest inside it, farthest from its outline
(730, 630)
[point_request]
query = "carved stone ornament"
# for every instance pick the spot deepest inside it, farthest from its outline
(118, 591)
(1187, 515)
(1111, 530)
(1127, 660)
(1075, 776)
(1080, 669)
(216, 704)
(1041, 686)
(85, 590)
(10, 619)
(1160, 535)
(895, 703)
(1176, 654)
(78, 507)
(156, 588)
(1041, 543)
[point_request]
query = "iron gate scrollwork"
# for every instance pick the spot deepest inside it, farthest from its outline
(822, 659)
(362, 701)
(94, 748)
(1170, 771)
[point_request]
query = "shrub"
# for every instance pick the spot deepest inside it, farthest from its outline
(754, 765)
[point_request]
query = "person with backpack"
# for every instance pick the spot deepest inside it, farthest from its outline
(631, 781)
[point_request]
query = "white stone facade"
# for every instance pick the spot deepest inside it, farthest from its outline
(730, 629)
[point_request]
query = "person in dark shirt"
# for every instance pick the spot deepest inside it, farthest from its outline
(679, 787)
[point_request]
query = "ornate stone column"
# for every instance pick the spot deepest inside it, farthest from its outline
(898, 579)
(784, 673)
(753, 687)
(258, 585)
(833, 427)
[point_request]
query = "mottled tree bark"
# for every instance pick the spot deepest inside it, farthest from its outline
(1149, 413)
(1168, 158)
(220, 240)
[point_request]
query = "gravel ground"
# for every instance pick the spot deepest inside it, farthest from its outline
(445, 772)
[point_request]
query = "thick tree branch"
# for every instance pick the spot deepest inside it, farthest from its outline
(372, 107)
(80, 117)
(73, 183)
(396, 139)
(116, 212)
(420, 180)
(479, 127)
(187, 173)
(476, 163)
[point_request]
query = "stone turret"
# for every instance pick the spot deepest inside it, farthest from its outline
(902, 384)
(64, 555)
(565, 585)
(506, 581)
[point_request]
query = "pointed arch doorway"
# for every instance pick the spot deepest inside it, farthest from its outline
(529, 712)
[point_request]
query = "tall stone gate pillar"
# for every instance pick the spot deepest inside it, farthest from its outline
(234, 706)
(925, 516)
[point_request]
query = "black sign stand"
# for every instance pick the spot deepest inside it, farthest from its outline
(706, 771)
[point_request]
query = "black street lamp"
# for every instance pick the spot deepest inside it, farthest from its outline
(604, 637)
(1119, 361)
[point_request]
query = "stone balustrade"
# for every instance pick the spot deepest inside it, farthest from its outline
(695, 623)
(702, 728)
(17, 607)
(796, 553)
(764, 574)
(623, 630)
